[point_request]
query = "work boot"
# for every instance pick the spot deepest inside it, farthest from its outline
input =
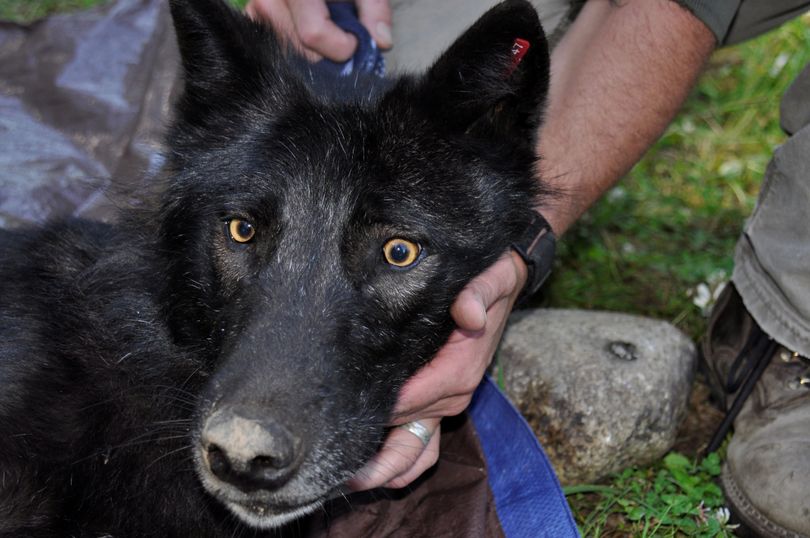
(765, 390)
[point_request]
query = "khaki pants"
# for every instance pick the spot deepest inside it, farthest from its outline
(772, 261)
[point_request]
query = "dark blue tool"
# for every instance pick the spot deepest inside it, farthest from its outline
(367, 58)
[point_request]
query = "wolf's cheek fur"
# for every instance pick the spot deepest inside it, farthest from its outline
(398, 290)
(234, 262)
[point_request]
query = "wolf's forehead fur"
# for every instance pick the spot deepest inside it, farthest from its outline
(327, 158)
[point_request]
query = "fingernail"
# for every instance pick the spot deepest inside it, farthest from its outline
(383, 32)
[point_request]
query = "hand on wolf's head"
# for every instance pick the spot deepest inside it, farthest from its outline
(444, 386)
(305, 24)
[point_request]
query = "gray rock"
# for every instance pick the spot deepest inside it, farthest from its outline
(601, 390)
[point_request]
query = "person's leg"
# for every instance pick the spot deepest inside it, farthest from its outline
(759, 341)
(423, 29)
(772, 262)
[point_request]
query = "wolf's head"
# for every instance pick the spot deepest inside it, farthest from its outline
(314, 244)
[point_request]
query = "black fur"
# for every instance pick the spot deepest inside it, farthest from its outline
(119, 343)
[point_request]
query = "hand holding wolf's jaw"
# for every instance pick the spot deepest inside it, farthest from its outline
(445, 385)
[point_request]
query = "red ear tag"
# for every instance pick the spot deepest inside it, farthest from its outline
(519, 49)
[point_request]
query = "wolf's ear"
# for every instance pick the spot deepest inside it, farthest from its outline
(222, 50)
(493, 80)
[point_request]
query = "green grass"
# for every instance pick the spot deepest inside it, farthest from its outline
(670, 226)
(29, 10)
(673, 222)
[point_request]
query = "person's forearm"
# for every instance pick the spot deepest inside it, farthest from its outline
(618, 77)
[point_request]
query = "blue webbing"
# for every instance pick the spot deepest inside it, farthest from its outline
(528, 497)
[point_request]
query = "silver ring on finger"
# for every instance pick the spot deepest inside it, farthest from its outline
(419, 430)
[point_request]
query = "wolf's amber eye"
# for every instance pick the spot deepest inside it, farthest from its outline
(401, 252)
(241, 230)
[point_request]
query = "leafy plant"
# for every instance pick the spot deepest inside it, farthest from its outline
(677, 497)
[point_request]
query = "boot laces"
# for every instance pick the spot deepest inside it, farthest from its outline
(746, 369)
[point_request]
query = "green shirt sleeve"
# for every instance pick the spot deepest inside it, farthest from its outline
(716, 14)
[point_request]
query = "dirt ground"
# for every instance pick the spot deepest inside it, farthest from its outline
(701, 421)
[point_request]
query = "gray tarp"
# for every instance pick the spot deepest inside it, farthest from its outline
(83, 98)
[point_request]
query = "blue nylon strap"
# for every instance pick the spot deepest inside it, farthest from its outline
(528, 497)
(367, 57)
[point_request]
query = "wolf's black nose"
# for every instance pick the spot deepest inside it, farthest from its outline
(248, 450)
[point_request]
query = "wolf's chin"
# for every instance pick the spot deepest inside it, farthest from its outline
(262, 516)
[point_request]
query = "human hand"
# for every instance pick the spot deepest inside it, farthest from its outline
(305, 24)
(445, 385)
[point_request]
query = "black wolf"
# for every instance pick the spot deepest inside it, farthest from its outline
(229, 355)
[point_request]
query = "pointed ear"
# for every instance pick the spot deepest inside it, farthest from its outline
(493, 80)
(222, 50)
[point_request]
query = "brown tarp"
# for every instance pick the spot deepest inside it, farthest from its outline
(451, 500)
(83, 100)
